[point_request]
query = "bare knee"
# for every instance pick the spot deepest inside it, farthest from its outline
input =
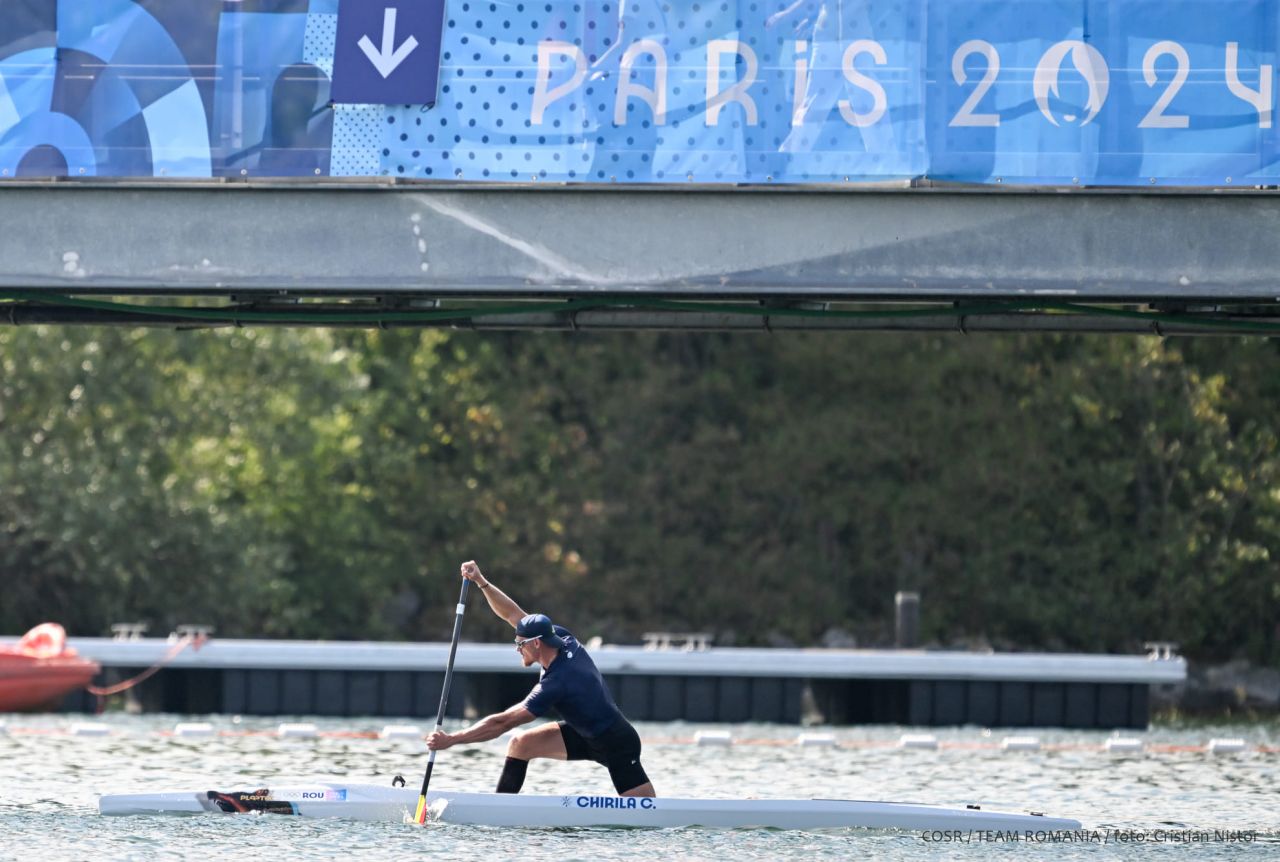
(544, 741)
(519, 747)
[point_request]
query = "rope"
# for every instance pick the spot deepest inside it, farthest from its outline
(103, 692)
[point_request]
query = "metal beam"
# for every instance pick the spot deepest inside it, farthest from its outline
(351, 239)
(618, 320)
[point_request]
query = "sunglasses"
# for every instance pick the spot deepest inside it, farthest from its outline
(520, 643)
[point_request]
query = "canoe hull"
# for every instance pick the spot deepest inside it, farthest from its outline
(29, 684)
(371, 802)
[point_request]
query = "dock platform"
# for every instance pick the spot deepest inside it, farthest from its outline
(717, 684)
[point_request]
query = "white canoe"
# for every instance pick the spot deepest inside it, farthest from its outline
(370, 802)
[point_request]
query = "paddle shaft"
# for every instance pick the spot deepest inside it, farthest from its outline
(421, 814)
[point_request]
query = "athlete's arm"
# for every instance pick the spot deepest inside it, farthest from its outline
(489, 727)
(499, 602)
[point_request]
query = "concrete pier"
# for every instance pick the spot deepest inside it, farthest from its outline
(913, 687)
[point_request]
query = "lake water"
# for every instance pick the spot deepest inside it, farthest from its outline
(50, 780)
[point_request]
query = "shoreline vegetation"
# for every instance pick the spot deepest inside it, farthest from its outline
(1234, 691)
(1055, 492)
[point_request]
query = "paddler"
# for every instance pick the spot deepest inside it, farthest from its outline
(592, 727)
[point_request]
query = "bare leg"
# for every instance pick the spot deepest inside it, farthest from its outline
(545, 741)
(645, 789)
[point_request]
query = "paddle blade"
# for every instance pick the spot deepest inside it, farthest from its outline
(420, 816)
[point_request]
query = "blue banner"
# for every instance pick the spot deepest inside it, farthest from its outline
(1058, 92)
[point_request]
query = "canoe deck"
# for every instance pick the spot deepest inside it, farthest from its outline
(372, 802)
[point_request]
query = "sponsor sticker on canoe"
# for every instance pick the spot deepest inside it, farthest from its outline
(241, 802)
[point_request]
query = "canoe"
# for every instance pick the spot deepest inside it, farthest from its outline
(372, 802)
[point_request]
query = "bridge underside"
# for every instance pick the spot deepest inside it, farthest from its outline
(551, 257)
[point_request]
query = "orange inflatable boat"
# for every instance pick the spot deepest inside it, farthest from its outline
(39, 670)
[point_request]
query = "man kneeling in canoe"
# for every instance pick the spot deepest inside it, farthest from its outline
(593, 728)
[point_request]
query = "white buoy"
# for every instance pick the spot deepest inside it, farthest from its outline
(713, 737)
(1226, 746)
(302, 730)
(1124, 745)
(193, 728)
(815, 739)
(918, 740)
(1020, 743)
(89, 728)
(401, 731)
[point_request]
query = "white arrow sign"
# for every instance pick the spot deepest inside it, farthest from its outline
(386, 60)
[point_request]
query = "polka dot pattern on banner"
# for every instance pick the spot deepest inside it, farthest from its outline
(318, 42)
(356, 150)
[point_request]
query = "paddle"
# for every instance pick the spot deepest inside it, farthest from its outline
(420, 816)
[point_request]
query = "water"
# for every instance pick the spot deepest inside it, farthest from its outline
(49, 782)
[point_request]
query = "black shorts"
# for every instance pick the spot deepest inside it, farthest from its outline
(618, 749)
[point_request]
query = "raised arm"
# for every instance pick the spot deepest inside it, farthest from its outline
(499, 602)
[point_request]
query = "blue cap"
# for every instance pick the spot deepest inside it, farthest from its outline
(539, 626)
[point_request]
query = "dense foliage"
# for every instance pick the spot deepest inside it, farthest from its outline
(1039, 491)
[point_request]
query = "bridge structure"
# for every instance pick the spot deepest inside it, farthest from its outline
(884, 165)
(525, 257)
